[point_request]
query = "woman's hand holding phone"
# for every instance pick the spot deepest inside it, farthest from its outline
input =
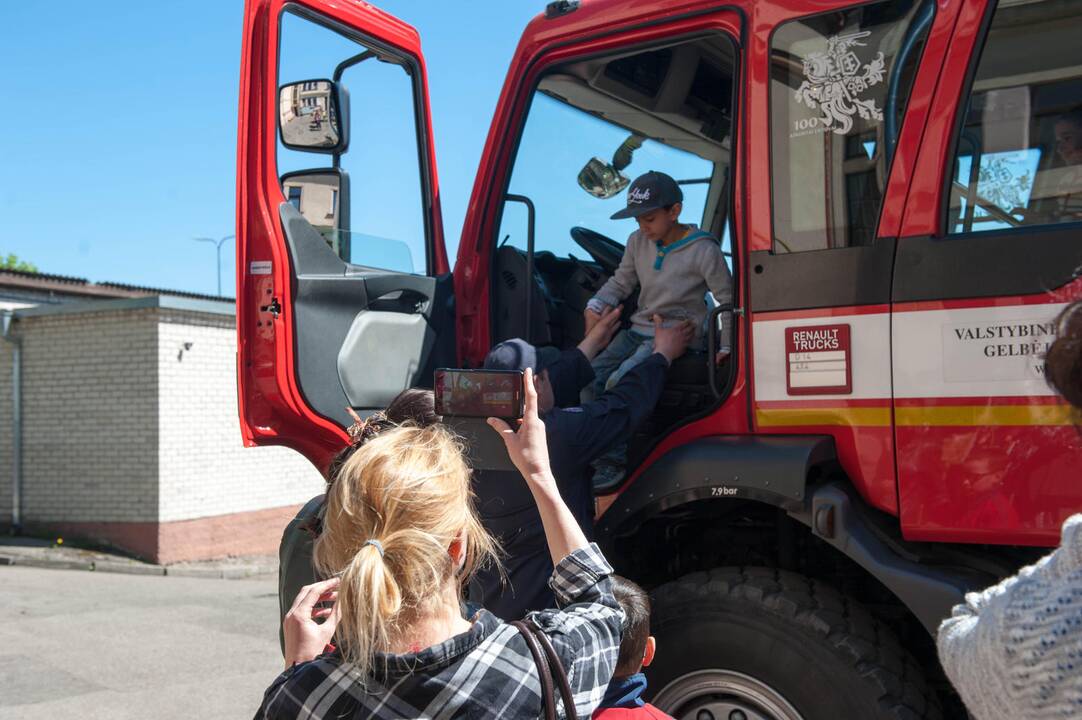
(528, 446)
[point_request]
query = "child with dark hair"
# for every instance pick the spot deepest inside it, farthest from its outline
(623, 698)
(1063, 361)
(673, 265)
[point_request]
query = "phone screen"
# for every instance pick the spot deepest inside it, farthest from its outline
(479, 393)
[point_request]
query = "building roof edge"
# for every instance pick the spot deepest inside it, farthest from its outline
(163, 302)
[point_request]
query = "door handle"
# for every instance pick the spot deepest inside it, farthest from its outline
(405, 300)
(712, 343)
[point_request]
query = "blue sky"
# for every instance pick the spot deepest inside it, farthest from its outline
(386, 224)
(119, 134)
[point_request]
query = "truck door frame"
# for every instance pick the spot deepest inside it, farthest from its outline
(482, 220)
(273, 408)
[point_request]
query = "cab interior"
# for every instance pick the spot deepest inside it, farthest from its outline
(673, 105)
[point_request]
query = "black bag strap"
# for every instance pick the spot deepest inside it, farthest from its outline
(558, 672)
(548, 700)
(553, 665)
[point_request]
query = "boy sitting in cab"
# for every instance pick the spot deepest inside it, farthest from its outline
(673, 264)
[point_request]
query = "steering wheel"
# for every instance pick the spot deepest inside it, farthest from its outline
(605, 251)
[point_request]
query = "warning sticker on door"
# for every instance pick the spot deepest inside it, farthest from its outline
(259, 267)
(818, 360)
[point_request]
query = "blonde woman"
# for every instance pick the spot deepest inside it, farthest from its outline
(400, 538)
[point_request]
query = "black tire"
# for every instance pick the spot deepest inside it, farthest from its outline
(760, 639)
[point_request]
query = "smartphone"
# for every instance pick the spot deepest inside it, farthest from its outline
(479, 393)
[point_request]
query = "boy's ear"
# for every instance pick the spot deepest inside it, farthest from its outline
(675, 210)
(651, 648)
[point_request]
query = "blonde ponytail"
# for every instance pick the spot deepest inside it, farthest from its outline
(399, 503)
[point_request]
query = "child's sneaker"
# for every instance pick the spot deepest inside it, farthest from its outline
(607, 475)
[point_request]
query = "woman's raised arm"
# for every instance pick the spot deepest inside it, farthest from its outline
(529, 452)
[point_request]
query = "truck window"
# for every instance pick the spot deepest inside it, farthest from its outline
(1018, 158)
(557, 141)
(377, 219)
(593, 126)
(839, 86)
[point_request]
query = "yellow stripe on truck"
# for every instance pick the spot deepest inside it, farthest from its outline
(980, 415)
(867, 417)
(940, 416)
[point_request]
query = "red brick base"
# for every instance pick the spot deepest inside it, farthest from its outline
(249, 533)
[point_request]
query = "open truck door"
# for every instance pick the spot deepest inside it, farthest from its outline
(343, 285)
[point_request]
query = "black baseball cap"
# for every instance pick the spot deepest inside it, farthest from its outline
(650, 192)
(517, 354)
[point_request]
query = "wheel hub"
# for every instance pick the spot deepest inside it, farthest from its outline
(723, 695)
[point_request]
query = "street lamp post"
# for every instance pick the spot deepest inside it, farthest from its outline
(218, 247)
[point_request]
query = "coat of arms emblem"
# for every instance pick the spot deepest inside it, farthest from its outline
(835, 79)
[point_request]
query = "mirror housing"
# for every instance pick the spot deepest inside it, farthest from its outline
(313, 116)
(321, 196)
(601, 179)
(605, 180)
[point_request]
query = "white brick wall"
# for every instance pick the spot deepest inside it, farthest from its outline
(204, 468)
(89, 417)
(119, 425)
(5, 432)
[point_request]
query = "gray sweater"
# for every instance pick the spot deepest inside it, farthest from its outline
(1015, 650)
(672, 284)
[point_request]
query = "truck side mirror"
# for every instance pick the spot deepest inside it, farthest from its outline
(313, 116)
(321, 196)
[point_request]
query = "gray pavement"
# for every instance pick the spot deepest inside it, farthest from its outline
(119, 645)
(39, 552)
(302, 131)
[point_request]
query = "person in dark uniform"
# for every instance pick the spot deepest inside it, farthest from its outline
(576, 437)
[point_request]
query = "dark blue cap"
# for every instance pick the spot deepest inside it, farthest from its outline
(649, 192)
(517, 354)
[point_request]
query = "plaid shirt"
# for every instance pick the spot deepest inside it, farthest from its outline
(486, 672)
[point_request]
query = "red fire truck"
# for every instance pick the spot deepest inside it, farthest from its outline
(898, 186)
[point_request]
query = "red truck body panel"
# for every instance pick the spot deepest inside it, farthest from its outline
(985, 468)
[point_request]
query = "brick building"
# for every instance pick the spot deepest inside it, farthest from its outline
(130, 433)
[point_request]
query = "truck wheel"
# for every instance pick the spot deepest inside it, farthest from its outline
(764, 644)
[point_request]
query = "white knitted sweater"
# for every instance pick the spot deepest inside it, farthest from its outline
(1014, 651)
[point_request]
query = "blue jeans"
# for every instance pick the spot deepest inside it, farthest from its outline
(627, 349)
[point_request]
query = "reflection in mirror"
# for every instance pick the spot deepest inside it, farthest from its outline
(308, 115)
(316, 196)
(605, 180)
(601, 179)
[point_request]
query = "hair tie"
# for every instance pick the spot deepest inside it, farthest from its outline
(376, 544)
(356, 430)
(362, 430)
